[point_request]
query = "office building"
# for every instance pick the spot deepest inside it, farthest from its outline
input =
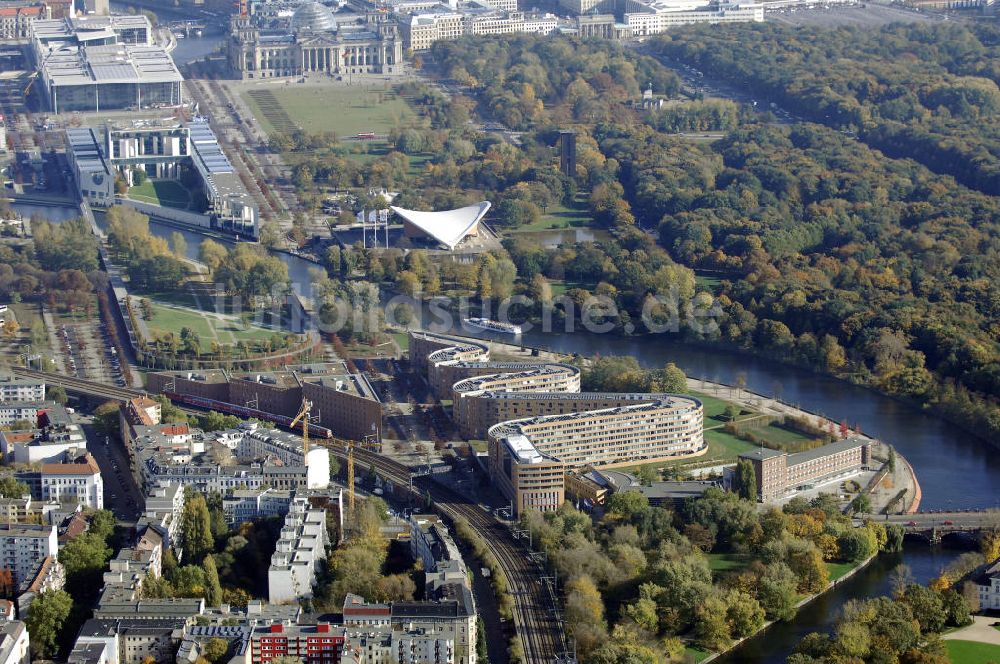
(567, 153)
(578, 7)
(645, 18)
(103, 63)
(162, 149)
(95, 180)
(346, 403)
(422, 29)
(244, 505)
(779, 474)
(16, 17)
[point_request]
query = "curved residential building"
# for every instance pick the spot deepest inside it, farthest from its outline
(475, 400)
(537, 422)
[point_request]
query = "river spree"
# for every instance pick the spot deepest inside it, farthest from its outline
(777, 642)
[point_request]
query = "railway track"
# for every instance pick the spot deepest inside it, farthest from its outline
(535, 616)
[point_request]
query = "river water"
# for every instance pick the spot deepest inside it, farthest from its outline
(955, 470)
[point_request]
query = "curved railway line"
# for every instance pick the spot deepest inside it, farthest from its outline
(536, 616)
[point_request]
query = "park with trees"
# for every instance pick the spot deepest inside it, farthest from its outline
(645, 583)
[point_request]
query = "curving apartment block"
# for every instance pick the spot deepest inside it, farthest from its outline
(538, 424)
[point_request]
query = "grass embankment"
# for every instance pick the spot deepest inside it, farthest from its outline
(723, 446)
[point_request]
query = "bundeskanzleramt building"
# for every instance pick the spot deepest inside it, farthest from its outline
(779, 473)
(162, 150)
(538, 424)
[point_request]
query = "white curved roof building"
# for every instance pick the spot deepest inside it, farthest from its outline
(449, 227)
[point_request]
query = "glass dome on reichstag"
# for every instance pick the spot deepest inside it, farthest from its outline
(313, 17)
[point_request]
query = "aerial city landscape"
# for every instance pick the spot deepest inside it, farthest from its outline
(499, 332)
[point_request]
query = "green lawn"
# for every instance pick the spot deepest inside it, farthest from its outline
(696, 654)
(560, 287)
(559, 217)
(727, 562)
(168, 193)
(225, 331)
(347, 111)
(838, 570)
(707, 283)
(714, 407)
(972, 652)
(402, 340)
(723, 447)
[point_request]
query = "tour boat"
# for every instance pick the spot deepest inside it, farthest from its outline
(494, 325)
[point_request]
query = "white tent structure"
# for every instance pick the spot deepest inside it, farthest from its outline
(449, 227)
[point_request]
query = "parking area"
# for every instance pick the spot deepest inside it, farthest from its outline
(87, 352)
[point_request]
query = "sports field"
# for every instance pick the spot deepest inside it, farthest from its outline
(226, 330)
(345, 110)
(168, 193)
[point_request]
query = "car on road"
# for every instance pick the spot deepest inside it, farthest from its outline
(947, 522)
(911, 523)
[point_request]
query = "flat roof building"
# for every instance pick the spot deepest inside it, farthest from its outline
(298, 553)
(163, 149)
(779, 473)
(645, 18)
(23, 547)
(103, 63)
(13, 388)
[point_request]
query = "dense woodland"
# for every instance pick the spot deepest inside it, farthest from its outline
(835, 255)
(926, 91)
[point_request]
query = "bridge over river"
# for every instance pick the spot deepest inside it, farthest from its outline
(935, 524)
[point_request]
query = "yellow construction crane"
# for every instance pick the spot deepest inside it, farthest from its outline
(346, 444)
(304, 416)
